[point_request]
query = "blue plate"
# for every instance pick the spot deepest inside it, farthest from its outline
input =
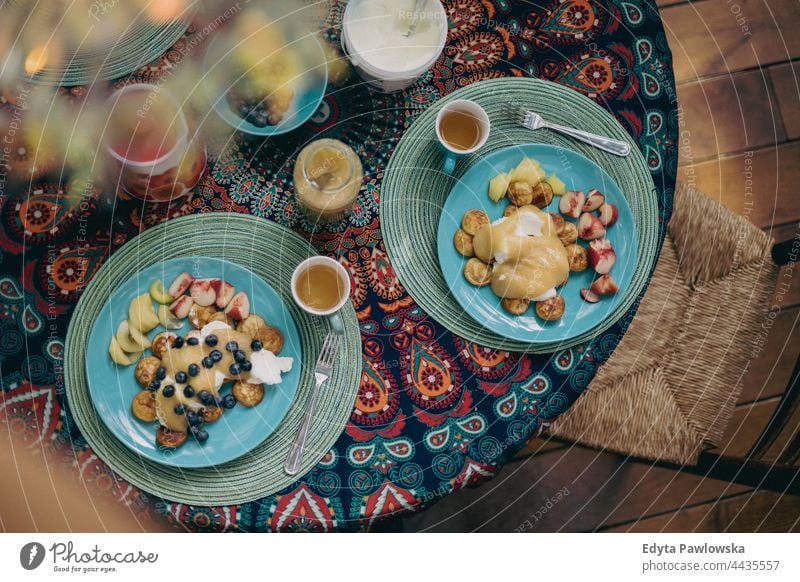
(310, 87)
(578, 173)
(239, 430)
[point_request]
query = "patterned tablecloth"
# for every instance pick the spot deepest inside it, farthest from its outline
(434, 412)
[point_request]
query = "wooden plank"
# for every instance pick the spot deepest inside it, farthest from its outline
(539, 446)
(603, 489)
(761, 184)
(746, 425)
(761, 511)
(786, 83)
(727, 114)
(721, 36)
(789, 275)
(769, 373)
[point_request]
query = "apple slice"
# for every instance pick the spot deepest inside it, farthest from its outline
(202, 292)
(131, 339)
(239, 307)
(181, 283)
(167, 319)
(225, 292)
(141, 314)
(181, 306)
(117, 353)
(158, 293)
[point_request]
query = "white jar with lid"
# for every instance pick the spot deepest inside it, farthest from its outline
(374, 39)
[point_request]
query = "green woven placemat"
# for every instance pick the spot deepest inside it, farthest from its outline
(144, 42)
(414, 191)
(271, 252)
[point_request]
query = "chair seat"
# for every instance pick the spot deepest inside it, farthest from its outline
(669, 389)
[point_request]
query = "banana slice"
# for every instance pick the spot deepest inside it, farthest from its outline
(126, 342)
(166, 318)
(141, 314)
(158, 293)
(117, 353)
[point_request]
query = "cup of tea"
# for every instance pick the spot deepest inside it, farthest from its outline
(321, 286)
(462, 127)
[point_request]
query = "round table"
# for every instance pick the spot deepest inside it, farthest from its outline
(434, 412)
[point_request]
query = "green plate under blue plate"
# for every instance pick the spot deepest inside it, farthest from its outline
(239, 430)
(578, 173)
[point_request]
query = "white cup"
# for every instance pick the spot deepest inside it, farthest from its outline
(451, 154)
(344, 279)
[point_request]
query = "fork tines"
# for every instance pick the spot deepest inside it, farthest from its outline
(327, 354)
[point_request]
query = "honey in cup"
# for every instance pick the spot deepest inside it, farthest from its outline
(319, 287)
(460, 129)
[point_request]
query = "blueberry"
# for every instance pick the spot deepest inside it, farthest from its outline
(193, 341)
(154, 385)
(229, 401)
(201, 436)
(219, 400)
(211, 340)
(161, 373)
(194, 418)
(235, 369)
(206, 397)
(168, 390)
(178, 342)
(215, 355)
(188, 391)
(246, 365)
(193, 370)
(208, 362)
(239, 356)
(256, 345)
(179, 409)
(231, 346)
(180, 377)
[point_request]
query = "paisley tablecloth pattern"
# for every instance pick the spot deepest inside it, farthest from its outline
(434, 413)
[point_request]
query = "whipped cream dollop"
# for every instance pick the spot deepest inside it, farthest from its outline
(267, 367)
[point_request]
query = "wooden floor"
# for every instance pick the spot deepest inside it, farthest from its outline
(739, 95)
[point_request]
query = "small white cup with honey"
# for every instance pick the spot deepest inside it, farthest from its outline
(321, 286)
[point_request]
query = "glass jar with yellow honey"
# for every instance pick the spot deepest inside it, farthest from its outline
(327, 178)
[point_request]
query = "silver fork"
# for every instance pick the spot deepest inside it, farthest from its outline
(322, 372)
(532, 120)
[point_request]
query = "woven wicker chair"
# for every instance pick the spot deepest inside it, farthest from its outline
(668, 391)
